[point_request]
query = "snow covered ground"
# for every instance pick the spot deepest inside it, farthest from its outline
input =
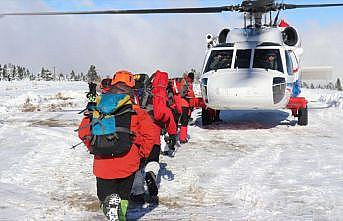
(256, 165)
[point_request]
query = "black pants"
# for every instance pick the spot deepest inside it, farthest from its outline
(122, 187)
(176, 116)
(154, 154)
(184, 116)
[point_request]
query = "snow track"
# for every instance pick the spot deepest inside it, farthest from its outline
(256, 165)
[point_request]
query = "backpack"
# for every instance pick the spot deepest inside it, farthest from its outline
(110, 125)
(141, 83)
(155, 98)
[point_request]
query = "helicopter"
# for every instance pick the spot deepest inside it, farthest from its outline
(256, 67)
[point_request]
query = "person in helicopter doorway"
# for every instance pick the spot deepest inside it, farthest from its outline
(118, 135)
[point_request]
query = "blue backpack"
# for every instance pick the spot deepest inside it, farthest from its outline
(110, 125)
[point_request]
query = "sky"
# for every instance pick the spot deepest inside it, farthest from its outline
(144, 43)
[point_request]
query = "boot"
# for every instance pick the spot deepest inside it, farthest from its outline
(111, 207)
(183, 135)
(150, 179)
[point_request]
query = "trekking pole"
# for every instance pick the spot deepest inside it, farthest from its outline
(73, 147)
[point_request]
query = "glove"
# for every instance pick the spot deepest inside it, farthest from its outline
(91, 97)
(171, 141)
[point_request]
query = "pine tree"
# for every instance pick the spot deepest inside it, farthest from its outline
(31, 76)
(331, 86)
(61, 77)
(5, 73)
(49, 76)
(72, 76)
(92, 75)
(82, 77)
(338, 85)
(20, 74)
(13, 73)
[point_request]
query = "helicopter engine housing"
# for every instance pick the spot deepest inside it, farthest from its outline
(223, 35)
(290, 36)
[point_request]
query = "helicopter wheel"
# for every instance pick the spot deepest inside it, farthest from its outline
(303, 116)
(206, 116)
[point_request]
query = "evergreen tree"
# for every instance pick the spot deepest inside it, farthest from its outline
(338, 85)
(41, 75)
(82, 77)
(49, 76)
(92, 75)
(13, 73)
(331, 86)
(61, 77)
(20, 73)
(72, 76)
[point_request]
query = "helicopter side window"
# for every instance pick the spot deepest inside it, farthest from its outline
(219, 59)
(243, 58)
(268, 59)
(289, 63)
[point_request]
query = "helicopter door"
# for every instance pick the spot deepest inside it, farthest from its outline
(289, 63)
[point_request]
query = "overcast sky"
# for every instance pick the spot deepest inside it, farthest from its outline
(143, 43)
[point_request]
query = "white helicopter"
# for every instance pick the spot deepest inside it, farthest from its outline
(256, 67)
(249, 68)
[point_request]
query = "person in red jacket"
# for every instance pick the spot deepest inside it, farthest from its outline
(115, 175)
(160, 113)
(185, 107)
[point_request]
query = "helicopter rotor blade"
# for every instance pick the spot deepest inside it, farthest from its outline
(134, 11)
(294, 6)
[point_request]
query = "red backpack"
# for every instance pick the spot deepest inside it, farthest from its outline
(160, 97)
(155, 97)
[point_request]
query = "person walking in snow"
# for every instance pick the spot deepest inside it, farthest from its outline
(187, 88)
(118, 134)
(155, 103)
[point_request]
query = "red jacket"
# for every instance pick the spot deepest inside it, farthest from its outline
(121, 167)
(183, 101)
(162, 113)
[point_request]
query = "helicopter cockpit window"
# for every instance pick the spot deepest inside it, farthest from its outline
(219, 59)
(268, 59)
(243, 58)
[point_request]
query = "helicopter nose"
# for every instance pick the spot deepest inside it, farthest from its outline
(244, 89)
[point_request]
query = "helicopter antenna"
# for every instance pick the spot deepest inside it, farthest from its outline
(276, 19)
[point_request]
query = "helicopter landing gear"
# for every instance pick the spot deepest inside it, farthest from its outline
(298, 106)
(206, 116)
(210, 116)
(303, 116)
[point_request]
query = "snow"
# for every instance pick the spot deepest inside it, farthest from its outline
(256, 165)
